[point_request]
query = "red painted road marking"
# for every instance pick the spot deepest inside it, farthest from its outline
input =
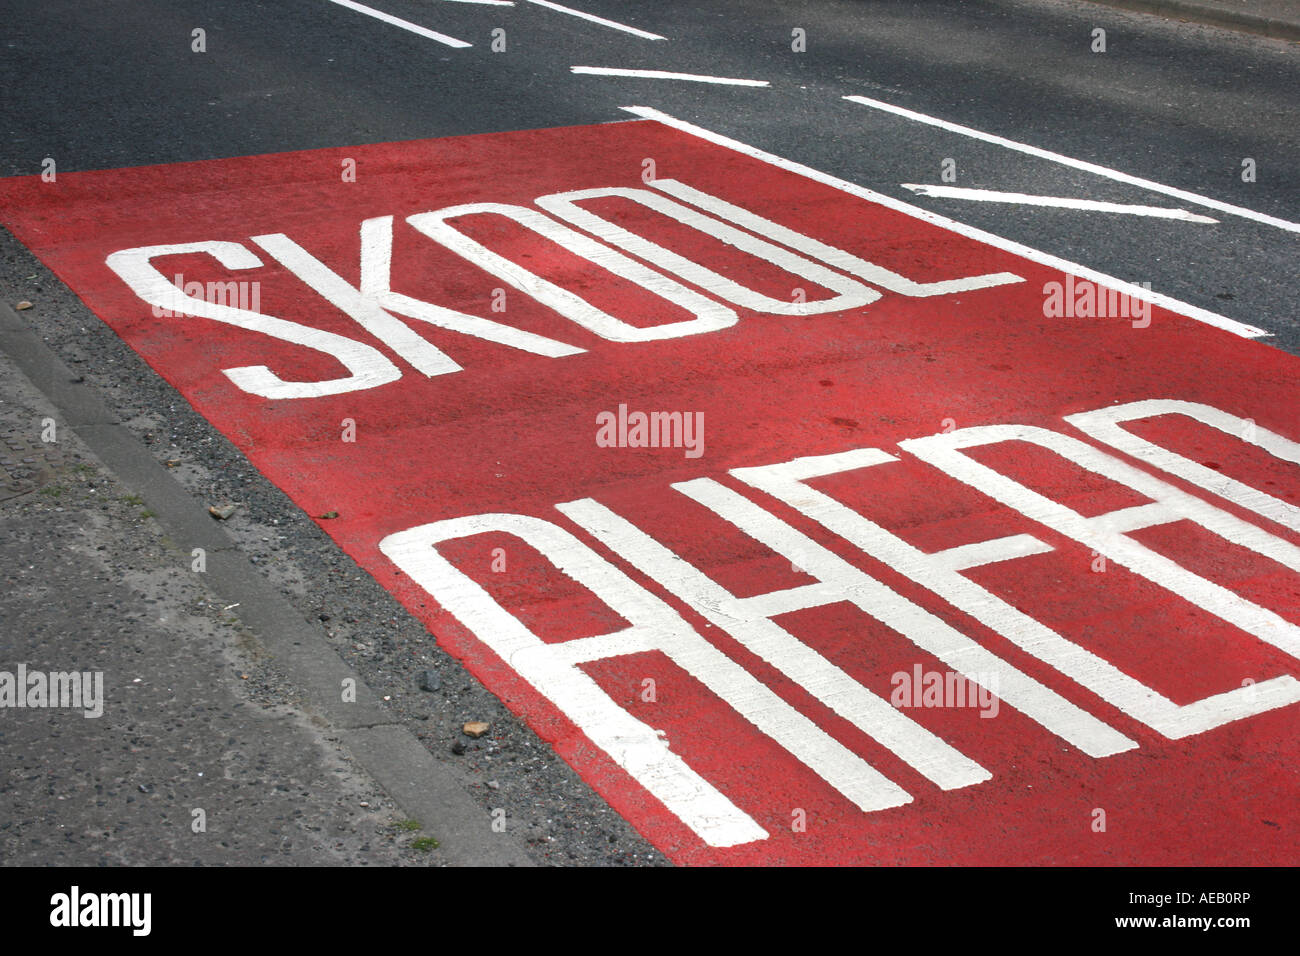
(804, 460)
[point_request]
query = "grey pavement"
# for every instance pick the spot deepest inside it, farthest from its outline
(203, 752)
(100, 585)
(222, 686)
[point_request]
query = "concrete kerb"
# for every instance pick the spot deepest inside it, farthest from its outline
(392, 756)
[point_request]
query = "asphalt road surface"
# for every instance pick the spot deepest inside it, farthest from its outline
(117, 84)
(1026, 138)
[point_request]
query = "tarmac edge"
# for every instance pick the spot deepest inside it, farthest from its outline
(385, 749)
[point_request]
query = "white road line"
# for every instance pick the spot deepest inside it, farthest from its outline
(1079, 164)
(488, 3)
(1035, 255)
(665, 75)
(595, 19)
(404, 24)
(1024, 199)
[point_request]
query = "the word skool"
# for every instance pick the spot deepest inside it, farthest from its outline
(375, 306)
(653, 625)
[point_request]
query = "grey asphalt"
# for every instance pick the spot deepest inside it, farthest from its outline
(117, 84)
(1271, 18)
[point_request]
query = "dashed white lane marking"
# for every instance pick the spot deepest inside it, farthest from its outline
(1034, 255)
(1025, 199)
(486, 3)
(595, 19)
(1078, 164)
(665, 75)
(404, 24)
